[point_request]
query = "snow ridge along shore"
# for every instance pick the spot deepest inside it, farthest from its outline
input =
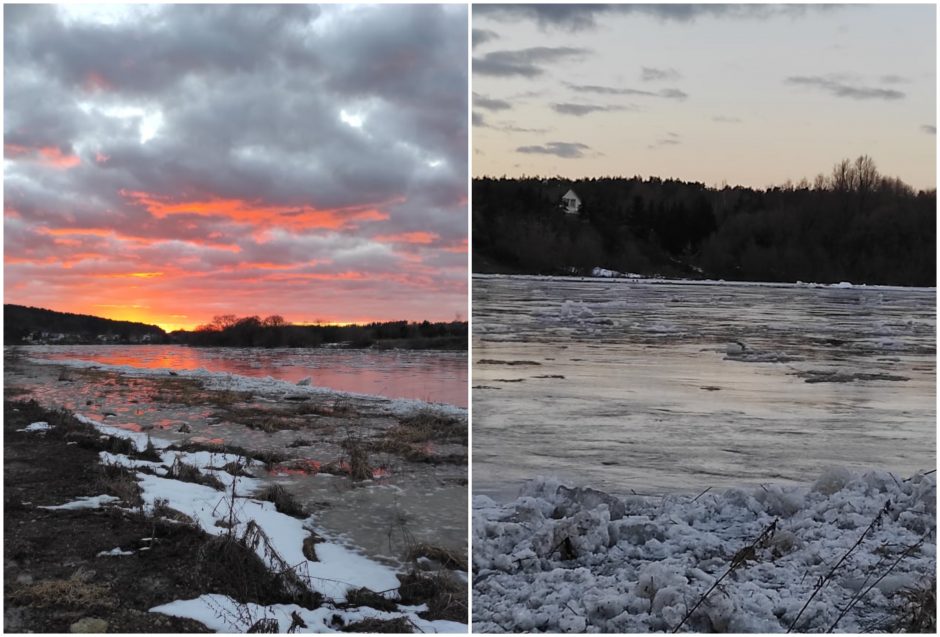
(569, 560)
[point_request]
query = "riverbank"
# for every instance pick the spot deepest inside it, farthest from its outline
(851, 552)
(208, 452)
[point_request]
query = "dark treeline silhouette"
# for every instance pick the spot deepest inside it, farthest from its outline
(274, 331)
(22, 324)
(852, 225)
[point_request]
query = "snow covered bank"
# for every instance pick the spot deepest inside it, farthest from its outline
(569, 560)
(224, 615)
(330, 569)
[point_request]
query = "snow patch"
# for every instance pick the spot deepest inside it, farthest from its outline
(37, 426)
(84, 502)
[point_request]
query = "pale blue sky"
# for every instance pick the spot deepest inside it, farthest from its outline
(751, 95)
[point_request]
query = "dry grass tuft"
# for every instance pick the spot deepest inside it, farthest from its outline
(76, 592)
(117, 481)
(918, 612)
(447, 558)
(179, 470)
(428, 425)
(397, 625)
(365, 597)
(445, 595)
(283, 501)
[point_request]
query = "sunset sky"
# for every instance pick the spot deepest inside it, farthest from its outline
(744, 94)
(171, 163)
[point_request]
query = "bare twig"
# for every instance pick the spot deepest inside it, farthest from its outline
(858, 597)
(701, 494)
(823, 580)
(739, 558)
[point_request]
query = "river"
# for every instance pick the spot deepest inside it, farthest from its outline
(654, 387)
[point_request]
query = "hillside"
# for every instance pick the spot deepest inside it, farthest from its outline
(853, 225)
(24, 324)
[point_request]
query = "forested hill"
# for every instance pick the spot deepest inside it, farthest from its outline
(22, 324)
(852, 225)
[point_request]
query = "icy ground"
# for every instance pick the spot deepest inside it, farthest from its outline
(574, 560)
(277, 539)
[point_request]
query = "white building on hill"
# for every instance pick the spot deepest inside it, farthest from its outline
(571, 203)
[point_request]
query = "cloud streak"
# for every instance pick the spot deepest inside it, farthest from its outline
(565, 150)
(666, 93)
(839, 87)
(527, 63)
(582, 17)
(580, 110)
(651, 74)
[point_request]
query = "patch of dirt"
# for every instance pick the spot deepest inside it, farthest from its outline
(53, 574)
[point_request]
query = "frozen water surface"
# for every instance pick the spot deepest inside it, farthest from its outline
(432, 376)
(654, 387)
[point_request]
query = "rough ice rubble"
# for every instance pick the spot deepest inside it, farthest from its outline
(637, 564)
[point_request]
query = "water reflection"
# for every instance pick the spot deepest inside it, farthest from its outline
(424, 375)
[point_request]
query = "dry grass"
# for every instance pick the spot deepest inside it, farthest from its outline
(266, 420)
(357, 457)
(119, 482)
(445, 595)
(365, 597)
(188, 391)
(269, 458)
(430, 426)
(283, 501)
(918, 611)
(445, 557)
(76, 592)
(179, 470)
(163, 510)
(415, 436)
(398, 625)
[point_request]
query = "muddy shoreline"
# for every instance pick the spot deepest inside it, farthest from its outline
(388, 451)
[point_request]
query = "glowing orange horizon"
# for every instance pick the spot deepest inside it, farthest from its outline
(172, 322)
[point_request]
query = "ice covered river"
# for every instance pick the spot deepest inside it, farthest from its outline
(651, 387)
(431, 376)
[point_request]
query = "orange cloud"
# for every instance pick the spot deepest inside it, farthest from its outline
(459, 248)
(50, 156)
(255, 213)
(421, 238)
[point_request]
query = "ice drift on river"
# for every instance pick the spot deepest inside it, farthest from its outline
(569, 560)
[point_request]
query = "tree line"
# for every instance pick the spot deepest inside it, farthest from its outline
(33, 324)
(273, 331)
(37, 325)
(853, 224)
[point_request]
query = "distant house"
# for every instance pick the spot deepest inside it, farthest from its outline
(571, 203)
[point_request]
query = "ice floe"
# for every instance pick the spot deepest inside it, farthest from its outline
(574, 560)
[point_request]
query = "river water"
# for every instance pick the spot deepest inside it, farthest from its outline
(431, 376)
(655, 387)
